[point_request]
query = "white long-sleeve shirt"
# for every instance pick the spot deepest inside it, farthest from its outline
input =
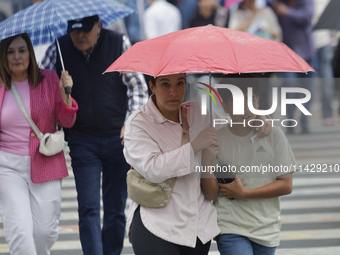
(153, 147)
(161, 18)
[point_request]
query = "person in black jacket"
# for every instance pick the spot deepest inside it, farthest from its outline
(95, 141)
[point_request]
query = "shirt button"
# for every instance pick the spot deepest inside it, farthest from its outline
(32, 134)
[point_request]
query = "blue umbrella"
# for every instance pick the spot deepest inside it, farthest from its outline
(46, 21)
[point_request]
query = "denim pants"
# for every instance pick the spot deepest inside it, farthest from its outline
(230, 244)
(93, 157)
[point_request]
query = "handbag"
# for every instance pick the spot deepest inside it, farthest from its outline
(50, 144)
(149, 194)
(146, 193)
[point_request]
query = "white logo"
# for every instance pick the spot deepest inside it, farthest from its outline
(77, 25)
(238, 100)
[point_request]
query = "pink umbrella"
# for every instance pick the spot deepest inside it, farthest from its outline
(209, 49)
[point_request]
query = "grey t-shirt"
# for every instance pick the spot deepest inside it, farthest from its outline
(257, 219)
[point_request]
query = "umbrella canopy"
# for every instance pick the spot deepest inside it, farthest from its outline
(209, 49)
(47, 20)
(330, 18)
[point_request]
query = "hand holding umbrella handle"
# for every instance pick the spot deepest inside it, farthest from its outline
(65, 85)
(68, 90)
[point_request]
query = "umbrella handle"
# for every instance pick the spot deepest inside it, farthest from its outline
(61, 57)
(58, 46)
(68, 90)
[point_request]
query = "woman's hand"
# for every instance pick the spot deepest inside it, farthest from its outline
(65, 81)
(209, 155)
(205, 138)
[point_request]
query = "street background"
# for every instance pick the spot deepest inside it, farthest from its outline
(310, 215)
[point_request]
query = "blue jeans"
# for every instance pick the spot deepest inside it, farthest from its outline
(230, 244)
(325, 72)
(301, 80)
(92, 157)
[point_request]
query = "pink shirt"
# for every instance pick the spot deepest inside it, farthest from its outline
(47, 107)
(14, 129)
(153, 147)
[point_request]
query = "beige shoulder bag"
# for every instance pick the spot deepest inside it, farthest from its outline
(150, 194)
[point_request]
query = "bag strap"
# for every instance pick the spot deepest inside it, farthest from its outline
(23, 109)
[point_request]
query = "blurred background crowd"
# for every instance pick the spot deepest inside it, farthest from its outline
(289, 21)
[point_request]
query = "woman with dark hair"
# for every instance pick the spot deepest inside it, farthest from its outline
(30, 182)
(153, 147)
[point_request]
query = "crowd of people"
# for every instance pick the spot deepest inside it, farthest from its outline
(288, 21)
(111, 123)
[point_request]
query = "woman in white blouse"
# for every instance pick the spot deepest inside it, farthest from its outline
(153, 147)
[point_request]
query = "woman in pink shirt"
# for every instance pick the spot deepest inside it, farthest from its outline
(30, 182)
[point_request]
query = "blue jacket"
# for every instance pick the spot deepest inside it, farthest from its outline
(297, 29)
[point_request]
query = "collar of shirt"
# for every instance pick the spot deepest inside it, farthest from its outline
(88, 53)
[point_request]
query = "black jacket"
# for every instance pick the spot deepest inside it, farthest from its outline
(101, 98)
